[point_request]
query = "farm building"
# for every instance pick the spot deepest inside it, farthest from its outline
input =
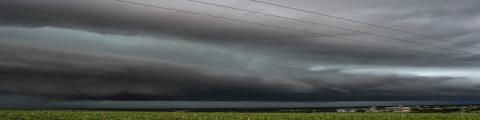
(347, 110)
(398, 109)
(372, 109)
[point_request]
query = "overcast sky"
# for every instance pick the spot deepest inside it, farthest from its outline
(106, 50)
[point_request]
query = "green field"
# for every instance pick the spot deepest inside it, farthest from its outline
(120, 115)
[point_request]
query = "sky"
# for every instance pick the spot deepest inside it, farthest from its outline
(72, 53)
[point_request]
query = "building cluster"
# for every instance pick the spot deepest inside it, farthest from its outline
(422, 109)
(375, 109)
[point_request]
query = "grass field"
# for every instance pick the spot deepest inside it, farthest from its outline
(120, 115)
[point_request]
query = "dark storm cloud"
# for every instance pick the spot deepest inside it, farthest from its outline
(78, 76)
(92, 16)
(450, 20)
(236, 62)
(105, 16)
(112, 17)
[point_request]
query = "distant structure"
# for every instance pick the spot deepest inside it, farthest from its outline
(372, 109)
(398, 109)
(472, 107)
(341, 110)
(347, 110)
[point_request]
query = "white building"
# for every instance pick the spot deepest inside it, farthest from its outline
(341, 110)
(372, 109)
(346, 110)
(398, 109)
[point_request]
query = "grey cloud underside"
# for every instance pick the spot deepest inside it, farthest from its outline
(236, 62)
(48, 73)
(124, 19)
(92, 17)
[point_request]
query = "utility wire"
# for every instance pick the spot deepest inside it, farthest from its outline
(284, 28)
(332, 26)
(370, 24)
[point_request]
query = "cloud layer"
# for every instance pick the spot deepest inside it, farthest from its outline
(106, 50)
(71, 75)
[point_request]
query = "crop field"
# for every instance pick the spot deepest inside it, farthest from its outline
(121, 115)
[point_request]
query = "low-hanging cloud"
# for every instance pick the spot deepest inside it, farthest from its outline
(112, 17)
(47, 73)
(101, 50)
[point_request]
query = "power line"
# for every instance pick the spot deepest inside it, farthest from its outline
(332, 26)
(370, 24)
(284, 28)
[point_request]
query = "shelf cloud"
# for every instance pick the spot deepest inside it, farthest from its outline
(105, 50)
